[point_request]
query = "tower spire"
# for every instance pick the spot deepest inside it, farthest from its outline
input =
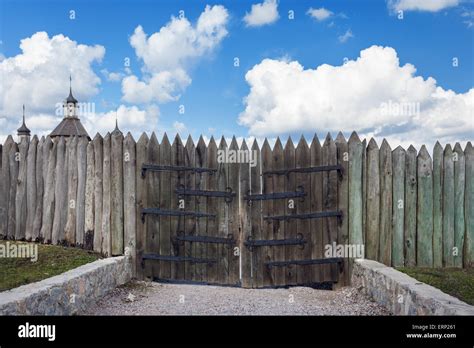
(23, 131)
(116, 130)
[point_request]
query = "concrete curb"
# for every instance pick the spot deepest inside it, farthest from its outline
(402, 294)
(70, 292)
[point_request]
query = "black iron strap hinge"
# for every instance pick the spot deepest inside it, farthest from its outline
(251, 243)
(162, 212)
(329, 260)
(205, 239)
(176, 258)
(228, 195)
(299, 193)
(338, 167)
(316, 215)
(161, 168)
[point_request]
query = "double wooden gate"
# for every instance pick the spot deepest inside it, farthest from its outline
(219, 214)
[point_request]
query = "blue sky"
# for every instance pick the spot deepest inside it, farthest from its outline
(213, 101)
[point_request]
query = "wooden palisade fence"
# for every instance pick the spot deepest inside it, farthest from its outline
(408, 208)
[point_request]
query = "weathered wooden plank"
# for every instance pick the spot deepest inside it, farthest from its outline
(98, 190)
(106, 248)
(373, 201)
(303, 159)
(278, 163)
(469, 206)
(89, 198)
(424, 211)
(39, 178)
(459, 221)
(20, 201)
(153, 235)
(343, 201)
(5, 185)
(290, 226)
(330, 203)
(165, 201)
(267, 208)
(193, 271)
(49, 163)
(212, 208)
(72, 178)
(222, 216)
(116, 186)
(129, 199)
(61, 205)
(448, 207)
(398, 205)
(364, 190)
(355, 189)
(200, 204)
(234, 230)
(438, 205)
(410, 207)
(31, 188)
(13, 162)
(81, 189)
(141, 188)
(316, 198)
(385, 246)
(246, 256)
(177, 222)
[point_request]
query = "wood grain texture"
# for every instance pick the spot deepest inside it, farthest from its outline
(437, 205)
(20, 200)
(398, 206)
(448, 207)
(424, 211)
(410, 207)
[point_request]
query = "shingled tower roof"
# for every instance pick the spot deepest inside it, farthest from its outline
(71, 125)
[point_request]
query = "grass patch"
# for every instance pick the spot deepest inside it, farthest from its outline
(52, 260)
(454, 281)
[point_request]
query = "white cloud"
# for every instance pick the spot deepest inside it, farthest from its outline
(320, 14)
(284, 97)
(262, 14)
(421, 5)
(112, 76)
(346, 36)
(468, 15)
(163, 87)
(39, 78)
(130, 118)
(179, 127)
(167, 54)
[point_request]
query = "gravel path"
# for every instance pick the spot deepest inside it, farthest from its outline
(145, 298)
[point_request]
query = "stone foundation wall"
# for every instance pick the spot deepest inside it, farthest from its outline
(402, 294)
(68, 293)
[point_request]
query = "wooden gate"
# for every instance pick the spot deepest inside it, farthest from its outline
(258, 218)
